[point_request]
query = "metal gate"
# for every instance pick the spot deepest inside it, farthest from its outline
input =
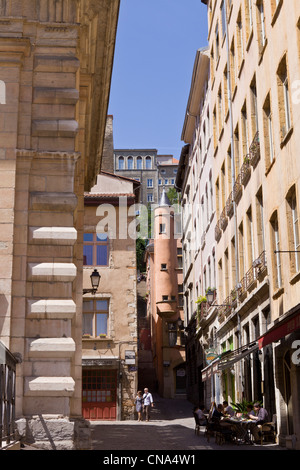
(99, 394)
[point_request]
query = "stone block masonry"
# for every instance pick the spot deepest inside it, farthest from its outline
(55, 69)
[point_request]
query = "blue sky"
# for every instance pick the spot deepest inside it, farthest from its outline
(155, 51)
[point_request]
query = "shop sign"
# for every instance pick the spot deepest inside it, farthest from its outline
(210, 355)
(130, 358)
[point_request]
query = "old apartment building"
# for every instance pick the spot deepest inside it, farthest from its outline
(110, 339)
(254, 71)
(55, 71)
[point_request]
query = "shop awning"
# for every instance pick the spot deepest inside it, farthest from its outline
(280, 330)
(210, 370)
(232, 357)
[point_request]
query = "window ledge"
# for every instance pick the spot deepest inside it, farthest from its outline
(241, 68)
(249, 40)
(262, 52)
(270, 167)
(295, 278)
(287, 137)
(278, 293)
(96, 338)
(276, 12)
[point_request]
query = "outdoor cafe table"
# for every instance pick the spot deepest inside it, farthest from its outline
(240, 426)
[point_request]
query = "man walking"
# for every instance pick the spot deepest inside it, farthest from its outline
(148, 403)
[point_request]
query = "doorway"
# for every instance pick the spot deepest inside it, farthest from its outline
(99, 394)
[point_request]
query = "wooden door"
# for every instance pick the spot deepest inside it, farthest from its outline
(99, 394)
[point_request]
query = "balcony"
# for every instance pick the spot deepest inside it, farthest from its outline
(245, 171)
(218, 231)
(254, 275)
(237, 189)
(229, 206)
(254, 151)
(223, 219)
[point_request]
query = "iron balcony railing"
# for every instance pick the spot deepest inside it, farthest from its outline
(256, 272)
(7, 396)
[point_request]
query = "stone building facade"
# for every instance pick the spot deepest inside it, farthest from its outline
(139, 164)
(195, 182)
(109, 342)
(254, 70)
(55, 71)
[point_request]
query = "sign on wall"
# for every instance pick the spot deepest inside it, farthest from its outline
(2, 92)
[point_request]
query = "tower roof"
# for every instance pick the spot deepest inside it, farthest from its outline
(164, 200)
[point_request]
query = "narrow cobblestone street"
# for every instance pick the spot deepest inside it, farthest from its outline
(171, 427)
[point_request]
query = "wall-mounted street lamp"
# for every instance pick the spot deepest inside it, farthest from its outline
(95, 280)
(210, 299)
(180, 324)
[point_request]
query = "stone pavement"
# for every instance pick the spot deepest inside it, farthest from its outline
(171, 427)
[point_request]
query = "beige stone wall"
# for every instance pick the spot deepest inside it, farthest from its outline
(51, 132)
(118, 284)
(261, 178)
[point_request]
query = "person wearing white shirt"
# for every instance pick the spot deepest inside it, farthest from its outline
(148, 403)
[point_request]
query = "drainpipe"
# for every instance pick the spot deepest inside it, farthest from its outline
(233, 175)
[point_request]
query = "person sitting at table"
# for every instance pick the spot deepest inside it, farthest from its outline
(260, 417)
(199, 411)
(218, 413)
(250, 411)
(213, 407)
(228, 410)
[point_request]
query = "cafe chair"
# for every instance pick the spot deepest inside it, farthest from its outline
(268, 431)
(198, 424)
(210, 430)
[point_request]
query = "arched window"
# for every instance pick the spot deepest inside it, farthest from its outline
(121, 163)
(148, 163)
(139, 163)
(129, 163)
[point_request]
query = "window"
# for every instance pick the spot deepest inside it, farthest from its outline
(232, 67)
(262, 40)
(260, 221)
(253, 103)
(121, 165)
(268, 132)
(249, 18)
(160, 182)
(223, 16)
(245, 138)
(95, 249)
(166, 181)
(284, 98)
(150, 197)
(240, 45)
(241, 247)
(139, 163)
(163, 267)
(250, 238)
(95, 317)
(276, 249)
(293, 230)
(217, 43)
(148, 163)
(162, 228)
(149, 183)
(130, 163)
(172, 333)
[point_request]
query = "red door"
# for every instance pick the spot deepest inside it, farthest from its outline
(99, 392)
